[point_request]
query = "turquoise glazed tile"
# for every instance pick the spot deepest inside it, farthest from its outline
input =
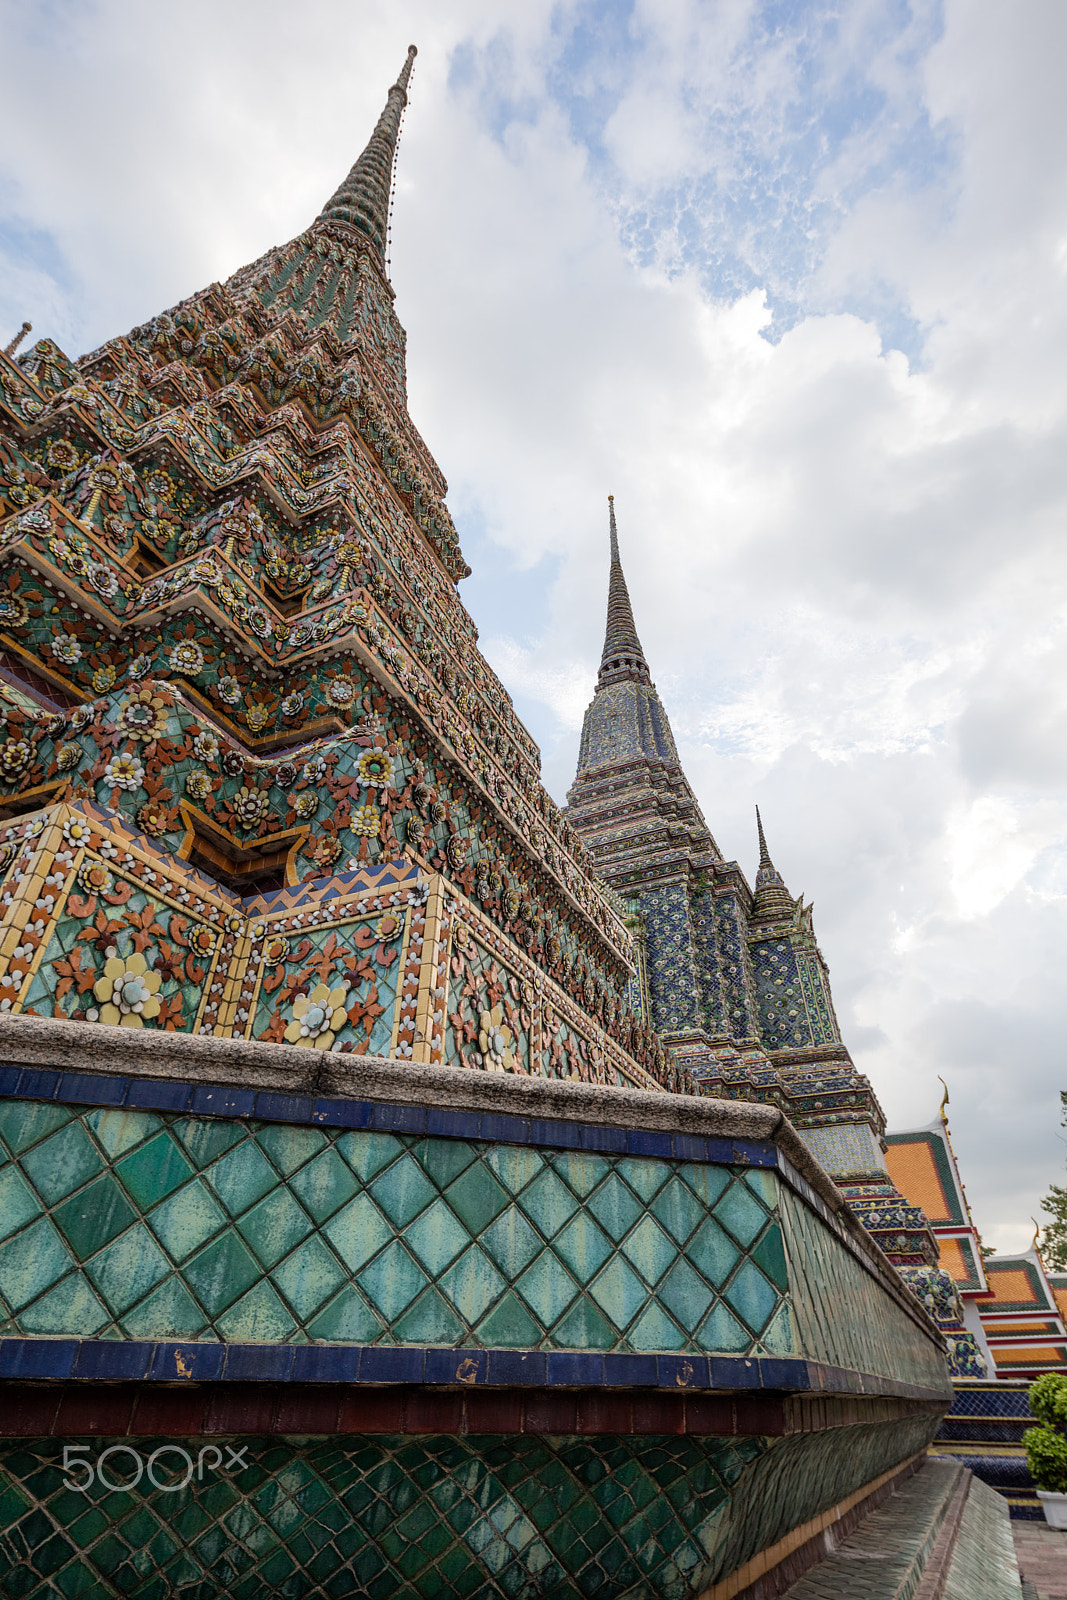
(515, 1165)
(547, 1289)
(437, 1238)
(368, 1153)
(779, 1337)
(205, 1138)
(648, 1249)
(581, 1172)
(741, 1214)
(18, 1203)
(62, 1163)
(476, 1198)
(770, 1255)
(31, 1262)
(615, 1206)
(646, 1178)
(548, 1203)
(187, 1220)
(153, 1171)
(241, 1177)
(678, 1209)
(71, 1304)
(402, 1191)
(583, 1246)
(751, 1296)
(763, 1184)
(509, 1326)
(473, 1284)
(258, 1318)
(309, 1277)
(712, 1253)
(325, 1184)
(511, 1242)
(221, 1272)
(444, 1159)
(170, 1312)
(619, 1292)
(685, 1294)
(128, 1269)
(430, 1321)
(274, 1227)
(358, 1231)
(94, 1217)
(24, 1122)
(392, 1281)
(348, 1319)
(707, 1183)
(654, 1330)
(583, 1328)
(721, 1331)
(119, 1130)
(290, 1147)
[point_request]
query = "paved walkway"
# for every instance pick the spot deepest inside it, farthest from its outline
(1041, 1552)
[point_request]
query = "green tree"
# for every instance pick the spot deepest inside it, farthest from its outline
(1054, 1245)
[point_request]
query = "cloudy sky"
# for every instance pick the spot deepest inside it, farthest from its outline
(787, 278)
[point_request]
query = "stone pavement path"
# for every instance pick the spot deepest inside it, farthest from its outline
(1041, 1552)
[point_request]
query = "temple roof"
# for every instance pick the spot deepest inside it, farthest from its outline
(363, 198)
(772, 899)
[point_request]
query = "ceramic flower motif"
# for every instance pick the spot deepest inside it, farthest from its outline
(318, 1017)
(143, 716)
(494, 1041)
(128, 992)
(376, 769)
(197, 784)
(124, 772)
(366, 820)
(229, 690)
(187, 656)
(66, 648)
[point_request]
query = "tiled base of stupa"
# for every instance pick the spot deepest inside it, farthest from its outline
(345, 1326)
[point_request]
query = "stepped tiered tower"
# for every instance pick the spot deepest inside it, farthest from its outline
(359, 1234)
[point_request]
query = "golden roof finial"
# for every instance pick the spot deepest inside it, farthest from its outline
(1037, 1234)
(944, 1098)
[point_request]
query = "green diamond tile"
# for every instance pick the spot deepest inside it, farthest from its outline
(153, 1171)
(23, 1122)
(763, 1184)
(648, 1248)
(31, 1262)
(721, 1331)
(241, 1177)
(751, 1296)
(289, 1148)
(437, 1238)
(655, 1330)
(18, 1203)
(685, 1294)
(706, 1182)
(581, 1172)
(444, 1159)
(472, 1284)
(511, 1242)
(615, 1207)
(515, 1165)
(583, 1328)
(509, 1326)
(368, 1153)
(325, 1184)
(119, 1130)
(62, 1163)
(430, 1320)
(645, 1177)
(71, 1307)
(221, 1272)
(476, 1198)
(392, 1281)
(205, 1138)
(740, 1214)
(358, 1231)
(309, 1277)
(712, 1253)
(403, 1191)
(583, 1246)
(548, 1288)
(274, 1227)
(779, 1338)
(619, 1291)
(126, 1270)
(548, 1203)
(93, 1217)
(678, 1209)
(770, 1255)
(187, 1220)
(170, 1312)
(348, 1319)
(259, 1317)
